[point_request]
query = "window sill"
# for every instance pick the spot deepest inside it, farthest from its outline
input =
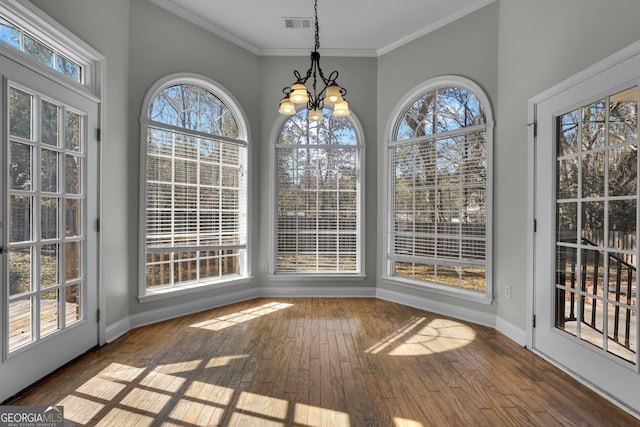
(452, 292)
(176, 291)
(313, 277)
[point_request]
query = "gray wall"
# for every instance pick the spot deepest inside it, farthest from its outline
(105, 26)
(542, 42)
(513, 49)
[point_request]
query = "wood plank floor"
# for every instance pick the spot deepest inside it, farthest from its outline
(319, 362)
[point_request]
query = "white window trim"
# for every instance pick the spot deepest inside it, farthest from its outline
(40, 25)
(458, 293)
(360, 275)
(244, 134)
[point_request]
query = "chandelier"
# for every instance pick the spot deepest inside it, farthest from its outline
(327, 93)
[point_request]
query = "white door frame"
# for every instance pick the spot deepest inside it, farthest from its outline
(32, 19)
(631, 52)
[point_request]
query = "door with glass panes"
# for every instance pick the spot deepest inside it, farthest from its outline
(49, 241)
(585, 244)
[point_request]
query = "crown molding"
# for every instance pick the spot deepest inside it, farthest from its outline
(364, 53)
(436, 25)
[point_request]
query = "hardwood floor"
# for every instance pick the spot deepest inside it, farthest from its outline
(319, 362)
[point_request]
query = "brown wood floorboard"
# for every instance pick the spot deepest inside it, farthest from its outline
(319, 362)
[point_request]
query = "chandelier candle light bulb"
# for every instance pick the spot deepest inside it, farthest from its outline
(330, 93)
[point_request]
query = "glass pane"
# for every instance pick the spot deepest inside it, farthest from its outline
(593, 125)
(623, 116)
(38, 50)
(158, 272)
(49, 217)
(74, 135)
(593, 223)
(49, 123)
(566, 266)
(593, 175)
(73, 217)
(20, 211)
(567, 178)
(49, 312)
(73, 304)
(19, 271)
(473, 278)
(20, 323)
(592, 272)
(185, 267)
(73, 170)
(622, 224)
(567, 222)
(592, 321)
(566, 311)
(49, 171)
(9, 34)
(72, 260)
(568, 133)
(20, 104)
(20, 166)
(49, 265)
(448, 275)
(418, 119)
(623, 171)
(621, 341)
(68, 67)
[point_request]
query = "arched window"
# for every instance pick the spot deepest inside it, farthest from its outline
(318, 196)
(439, 189)
(194, 188)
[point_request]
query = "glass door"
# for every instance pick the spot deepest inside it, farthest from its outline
(49, 239)
(585, 245)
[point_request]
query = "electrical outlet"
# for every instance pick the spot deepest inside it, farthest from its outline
(507, 291)
(263, 266)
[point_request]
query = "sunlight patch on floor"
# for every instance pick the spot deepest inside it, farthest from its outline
(314, 416)
(223, 322)
(80, 410)
(439, 336)
(417, 339)
(120, 417)
(216, 362)
(403, 422)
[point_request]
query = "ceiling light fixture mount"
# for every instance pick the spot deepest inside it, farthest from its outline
(329, 93)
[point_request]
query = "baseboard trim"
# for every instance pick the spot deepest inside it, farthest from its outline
(512, 332)
(123, 326)
(468, 315)
(118, 329)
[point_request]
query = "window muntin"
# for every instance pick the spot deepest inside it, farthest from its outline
(16, 37)
(317, 180)
(438, 184)
(195, 210)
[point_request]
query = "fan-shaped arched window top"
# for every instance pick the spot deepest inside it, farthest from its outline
(441, 110)
(193, 107)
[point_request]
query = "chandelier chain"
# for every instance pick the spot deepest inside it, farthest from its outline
(317, 35)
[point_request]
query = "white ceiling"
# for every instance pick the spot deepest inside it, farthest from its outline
(347, 27)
